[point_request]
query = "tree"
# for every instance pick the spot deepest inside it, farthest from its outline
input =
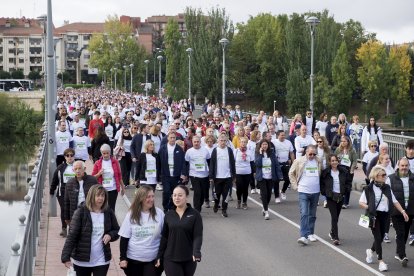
(115, 48)
(17, 74)
(297, 96)
(34, 75)
(340, 97)
(372, 74)
(177, 62)
(323, 99)
(400, 70)
(4, 74)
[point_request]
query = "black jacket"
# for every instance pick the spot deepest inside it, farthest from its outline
(72, 192)
(213, 163)
(179, 161)
(142, 166)
(345, 182)
(181, 238)
(78, 242)
(370, 195)
(96, 147)
(398, 191)
(136, 144)
(331, 131)
(57, 181)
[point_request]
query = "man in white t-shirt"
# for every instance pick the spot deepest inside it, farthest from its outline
(197, 159)
(81, 144)
(63, 141)
(304, 176)
(302, 141)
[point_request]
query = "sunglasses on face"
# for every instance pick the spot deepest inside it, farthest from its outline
(312, 154)
(373, 146)
(319, 142)
(69, 155)
(382, 175)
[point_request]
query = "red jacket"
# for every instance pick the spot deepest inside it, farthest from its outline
(117, 171)
(93, 125)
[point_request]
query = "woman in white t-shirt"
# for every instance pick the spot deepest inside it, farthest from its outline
(255, 136)
(244, 164)
(141, 235)
(368, 156)
(378, 200)
(148, 166)
(92, 227)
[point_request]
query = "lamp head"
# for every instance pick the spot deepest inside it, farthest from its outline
(312, 21)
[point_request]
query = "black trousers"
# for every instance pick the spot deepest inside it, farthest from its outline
(335, 209)
(168, 185)
(403, 230)
(112, 195)
(61, 200)
(101, 270)
(126, 163)
(286, 182)
(200, 187)
(180, 268)
(378, 232)
(265, 186)
(137, 268)
(252, 181)
(242, 186)
(221, 189)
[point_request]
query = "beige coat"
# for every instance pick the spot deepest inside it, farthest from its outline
(296, 170)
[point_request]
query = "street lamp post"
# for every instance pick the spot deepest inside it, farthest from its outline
(224, 42)
(274, 106)
(312, 22)
(115, 69)
(159, 75)
(131, 66)
(189, 51)
(146, 77)
(111, 77)
(125, 84)
(104, 78)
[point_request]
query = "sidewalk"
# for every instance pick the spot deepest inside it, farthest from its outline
(48, 261)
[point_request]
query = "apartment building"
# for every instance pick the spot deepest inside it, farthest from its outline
(21, 44)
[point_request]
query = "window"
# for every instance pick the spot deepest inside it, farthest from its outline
(11, 60)
(21, 60)
(11, 42)
(86, 56)
(20, 51)
(86, 37)
(12, 51)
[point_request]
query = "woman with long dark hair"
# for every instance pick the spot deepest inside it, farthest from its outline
(141, 235)
(372, 132)
(335, 183)
(110, 130)
(124, 143)
(99, 139)
(267, 171)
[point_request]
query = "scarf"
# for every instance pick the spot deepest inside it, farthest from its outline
(244, 153)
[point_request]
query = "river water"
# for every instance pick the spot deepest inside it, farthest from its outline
(15, 154)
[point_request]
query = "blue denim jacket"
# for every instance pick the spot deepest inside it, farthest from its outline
(276, 171)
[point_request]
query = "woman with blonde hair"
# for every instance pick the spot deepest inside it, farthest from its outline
(323, 152)
(255, 137)
(138, 252)
(378, 200)
(148, 166)
(156, 136)
(297, 120)
(92, 227)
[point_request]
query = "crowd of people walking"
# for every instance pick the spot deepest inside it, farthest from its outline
(158, 145)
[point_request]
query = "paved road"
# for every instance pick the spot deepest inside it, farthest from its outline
(245, 244)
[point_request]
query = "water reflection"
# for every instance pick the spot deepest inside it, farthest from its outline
(15, 155)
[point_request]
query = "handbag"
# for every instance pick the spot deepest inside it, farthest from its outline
(119, 150)
(368, 221)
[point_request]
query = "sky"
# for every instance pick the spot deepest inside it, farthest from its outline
(392, 21)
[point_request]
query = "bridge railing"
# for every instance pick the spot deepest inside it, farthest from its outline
(396, 144)
(24, 247)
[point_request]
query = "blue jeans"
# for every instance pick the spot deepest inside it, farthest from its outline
(357, 147)
(307, 205)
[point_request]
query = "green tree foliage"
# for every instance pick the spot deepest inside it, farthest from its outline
(339, 99)
(177, 62)
(203, 35)
(400, 71)
(373, 74)
(115, 48)
(17, 74)
(34, 75)
(322, 95)
(297, 96)
(16, 117)
(4, 74)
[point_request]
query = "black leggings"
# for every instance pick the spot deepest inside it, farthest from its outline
(180, 268)
(335, 209)
(101, 270)
(126, 163)
(286, 182)
(200, 187)
(221, 188)
(265, 186)
(61, 200)
(135, 268)
(378, 231)
(112, 195)
(242, 186)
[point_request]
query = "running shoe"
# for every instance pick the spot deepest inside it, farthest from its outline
(383, 266)
(368, 259)
(253, 191)
(411, 240)
(303, 241)
(312, 238)
(277, 200)
(283, 196)
(386, 238)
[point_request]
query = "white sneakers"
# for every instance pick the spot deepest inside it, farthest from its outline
(383, 266)
(283, 196)
(303, 241)
(253, 191)
(277, 200)
(312, 238)
(266, 215)
(158, 187)
(368, 259)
